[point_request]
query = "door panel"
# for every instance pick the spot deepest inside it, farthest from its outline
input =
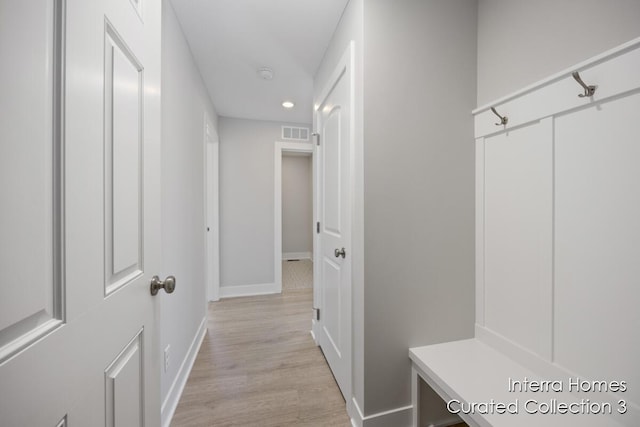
(30, 305)
(123, 168)
(25, 143)
(332, 303)
(123, 378)
(333, 330)
(331, 168)
(126, 163)
(77, 126)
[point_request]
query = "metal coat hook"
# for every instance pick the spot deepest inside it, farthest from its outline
(503, 119)
(588, 90)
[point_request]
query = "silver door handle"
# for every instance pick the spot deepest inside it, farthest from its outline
(340, 253)
(169, 284)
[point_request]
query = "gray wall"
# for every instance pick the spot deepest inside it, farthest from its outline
(521, 42)
(184, 102)
(419, 90)
(413, 280)
(246, 200)
(297, 204)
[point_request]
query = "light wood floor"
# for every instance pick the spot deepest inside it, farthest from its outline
(258, 366)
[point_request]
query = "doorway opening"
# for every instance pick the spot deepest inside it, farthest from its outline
(297, 221)
(294, 215)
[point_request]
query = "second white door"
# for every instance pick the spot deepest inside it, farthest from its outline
(333, 329)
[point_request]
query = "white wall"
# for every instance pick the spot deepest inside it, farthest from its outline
(297, 204)
(184, 102)
(246, 201)
(521, 42)
(419, 90)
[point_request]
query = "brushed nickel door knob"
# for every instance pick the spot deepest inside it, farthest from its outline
(169, 284)
(340, 253)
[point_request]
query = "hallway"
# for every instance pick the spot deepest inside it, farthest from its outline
(258, 366)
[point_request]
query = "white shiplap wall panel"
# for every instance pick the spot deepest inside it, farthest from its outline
(518, 195)
(597, 242)
(558, 202)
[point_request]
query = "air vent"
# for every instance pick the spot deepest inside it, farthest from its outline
(295, 133)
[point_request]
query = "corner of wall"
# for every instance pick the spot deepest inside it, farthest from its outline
(419, 178)
(399, 417)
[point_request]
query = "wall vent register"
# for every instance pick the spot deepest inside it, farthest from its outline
(292, 133)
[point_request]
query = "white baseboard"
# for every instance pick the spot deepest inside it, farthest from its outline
(295, 255)
(400, 417)
(314, 325)
(170, 403)
(355, 413)
(248, 290)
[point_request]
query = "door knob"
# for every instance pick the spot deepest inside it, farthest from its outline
(169, 284)
(339, 253)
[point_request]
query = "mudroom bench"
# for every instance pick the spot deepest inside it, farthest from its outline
(488, 389)
(557, 231)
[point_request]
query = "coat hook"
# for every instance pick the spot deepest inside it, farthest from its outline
(503, 119)
(588, 90)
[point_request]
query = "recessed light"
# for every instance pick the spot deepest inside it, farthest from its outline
(288, 104)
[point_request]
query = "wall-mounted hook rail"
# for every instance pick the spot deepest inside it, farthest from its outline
(588, 90)
(503, 119)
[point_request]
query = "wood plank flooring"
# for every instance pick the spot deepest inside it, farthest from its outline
(258, 366)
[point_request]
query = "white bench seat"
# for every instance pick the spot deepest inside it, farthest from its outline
(472, 371)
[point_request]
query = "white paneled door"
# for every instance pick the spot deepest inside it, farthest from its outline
(334, 123)
(79, 221)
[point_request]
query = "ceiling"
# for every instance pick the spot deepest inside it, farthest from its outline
(232, 39)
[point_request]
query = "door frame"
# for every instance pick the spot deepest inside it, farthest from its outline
(211, 213)
(282, 147)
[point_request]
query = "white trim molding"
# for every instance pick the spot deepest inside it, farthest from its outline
(286, 256)
(313, 336)
(249, 290)
(399, 417)
(175, 391)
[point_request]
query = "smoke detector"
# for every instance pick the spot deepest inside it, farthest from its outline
(265, 73)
